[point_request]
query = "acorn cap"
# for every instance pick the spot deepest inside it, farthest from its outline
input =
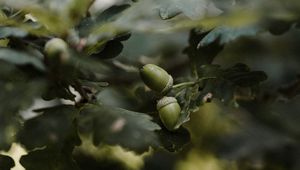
(169, 85)
(165, 101)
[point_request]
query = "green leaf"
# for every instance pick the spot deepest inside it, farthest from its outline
(49, 159)
(54, 126)
(238, 75)
(247, 79)
(225, 5)
(226, 34)
(279, 26)
(111, 13)
(12, 32)
(87, 24)
(14, 97)
(174, 141)
(102, 37)
(241, 75)
(6, 162)
(93, 87)
(9, 126)
(203, 55)
(110, 50)
(280, 115)
(290, 89)
(77, 9)
(168, 10)
(117, 126)
(154, 161)
(87, 68)
(20, 58)
(17, 93)
(4, 42)
(243, 142)
(194, 9)
(218, 79)
(286, 115)
(216, 88)
(186, 99)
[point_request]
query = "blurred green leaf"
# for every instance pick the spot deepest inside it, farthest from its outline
(51, 20)
(194, 9)
(87, 24)
(225, 5)
(12, 31)
(78, 9)
(4, 42)
(8, 128)
(278, 26)
(51, 14)
(275, 123)
(225, 34)
(281, 115)
(290, 89)
(238, 75)
(186, 99)
(218, 79)
(174, 141)
(244, 143)
(241, 75)
(6, 162)
(110, 50)
(168, 10)
(155, 160)
(100, 32)
(54, 126)
(117, 126)
(18, 93)
(111, 13)
(203, 55)
(20, 58)
(48, 159)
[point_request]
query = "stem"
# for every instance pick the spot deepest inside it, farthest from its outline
(189, 83)
(184, 84)
(15, 14)
(205, 78)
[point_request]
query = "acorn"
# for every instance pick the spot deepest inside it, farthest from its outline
(169, 112)
(156, 78)
(57, 48)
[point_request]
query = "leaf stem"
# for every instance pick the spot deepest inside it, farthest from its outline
(190, 83)
(183, 84)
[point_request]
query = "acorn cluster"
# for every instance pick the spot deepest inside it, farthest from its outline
(157, 79)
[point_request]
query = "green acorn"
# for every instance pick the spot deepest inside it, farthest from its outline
(57, 47)
(156, 78)
(169, 112)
